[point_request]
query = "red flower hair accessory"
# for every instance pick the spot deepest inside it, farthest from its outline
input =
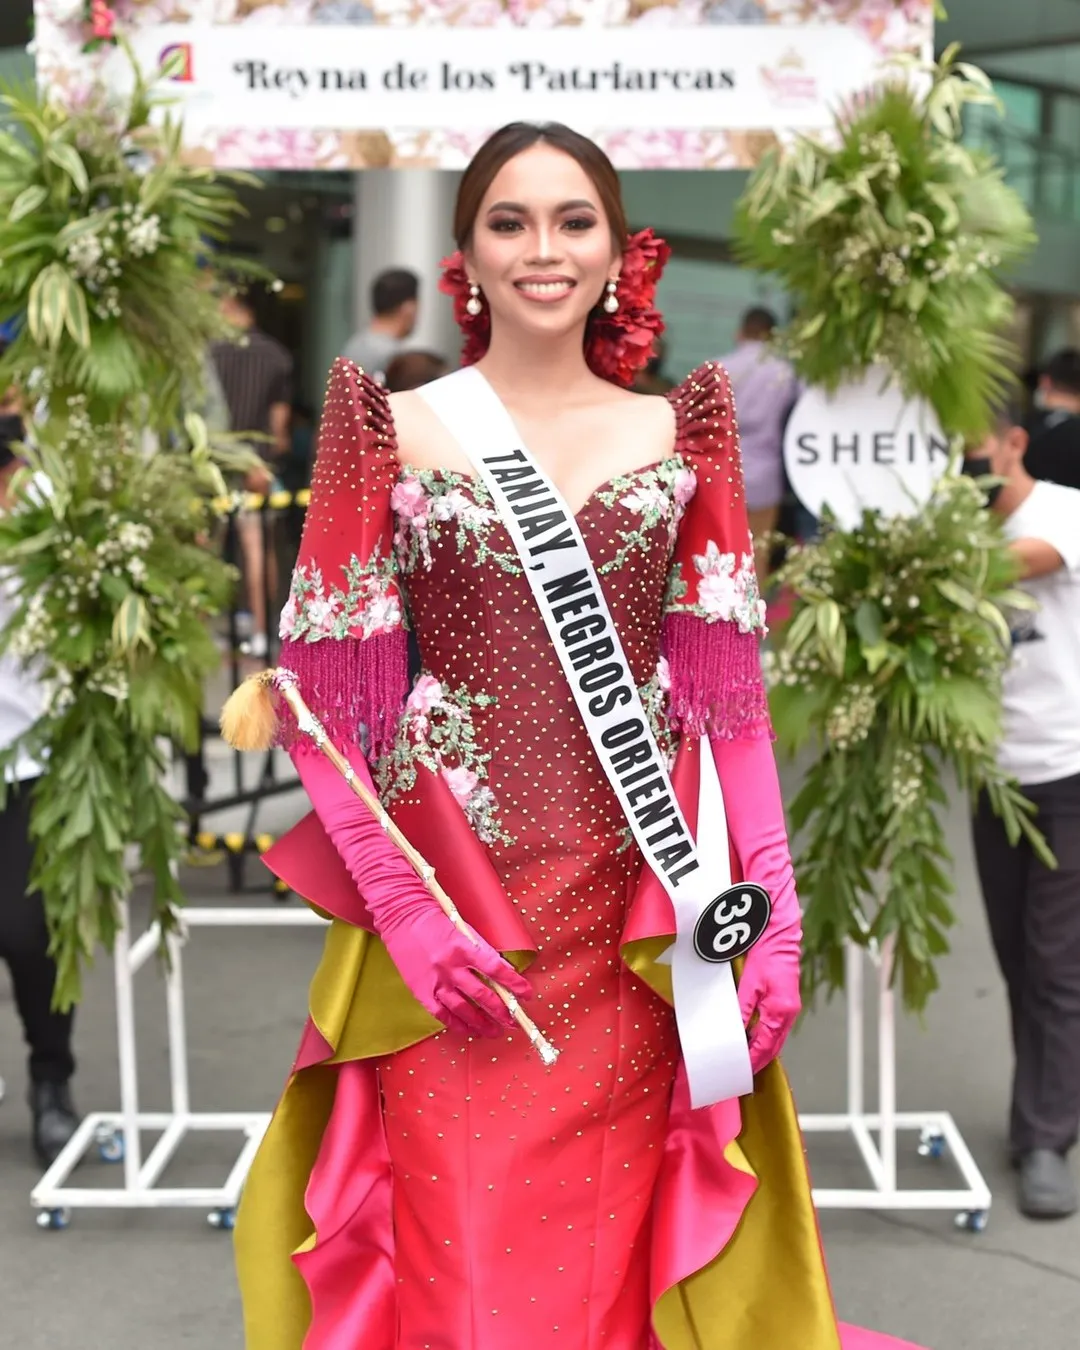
(617, 345)
(475, 328)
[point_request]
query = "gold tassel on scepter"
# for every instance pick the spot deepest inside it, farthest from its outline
(249, 721)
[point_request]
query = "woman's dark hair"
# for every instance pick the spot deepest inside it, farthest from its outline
(509, 142)
(392, 289)
(411, 369)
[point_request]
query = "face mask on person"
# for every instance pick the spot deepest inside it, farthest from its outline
(978, 466)
(12, 431)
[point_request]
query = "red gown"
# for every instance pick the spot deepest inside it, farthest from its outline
(457, 1194)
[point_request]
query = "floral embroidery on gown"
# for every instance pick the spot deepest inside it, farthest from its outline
(458, 1195)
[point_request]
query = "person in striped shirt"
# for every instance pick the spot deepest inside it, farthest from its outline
(256, 375)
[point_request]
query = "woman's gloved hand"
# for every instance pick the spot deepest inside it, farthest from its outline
(769, 985)
(440, 965)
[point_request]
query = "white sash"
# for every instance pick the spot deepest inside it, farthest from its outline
(576, 614)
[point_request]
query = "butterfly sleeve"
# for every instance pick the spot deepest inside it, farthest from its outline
(714, 616)
(343, 628)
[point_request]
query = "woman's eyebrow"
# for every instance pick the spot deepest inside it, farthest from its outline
(577, 204)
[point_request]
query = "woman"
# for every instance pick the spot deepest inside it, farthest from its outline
(426, 1181)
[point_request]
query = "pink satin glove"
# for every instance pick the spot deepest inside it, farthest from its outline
(437, 962)
(755, 812)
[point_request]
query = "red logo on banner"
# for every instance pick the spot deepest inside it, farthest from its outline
(186, 66)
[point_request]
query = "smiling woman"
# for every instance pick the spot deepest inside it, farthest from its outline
(576, 561)
(620, 331)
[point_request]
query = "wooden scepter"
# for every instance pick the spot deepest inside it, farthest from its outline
(248, 722)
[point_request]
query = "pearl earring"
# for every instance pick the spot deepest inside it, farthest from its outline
(611, 300)
(474, 304)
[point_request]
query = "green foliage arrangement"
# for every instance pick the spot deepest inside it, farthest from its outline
(891, 665)
(108, 546)
(891, 237)
(106, 242)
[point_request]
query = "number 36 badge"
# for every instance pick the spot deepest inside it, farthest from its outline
(731, 924)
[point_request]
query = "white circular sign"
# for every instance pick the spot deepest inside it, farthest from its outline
(864, 446)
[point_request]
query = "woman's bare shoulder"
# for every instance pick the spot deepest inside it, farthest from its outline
(652, 413)
(407, 410)
(423, 442)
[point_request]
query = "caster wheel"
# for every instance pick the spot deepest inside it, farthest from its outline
(110, 1146)
(53, 1220)
(972, 1220)
(931, 1144)
(223, 1219)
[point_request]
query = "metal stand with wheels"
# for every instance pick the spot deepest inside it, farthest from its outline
(117, 1136)
(875, 1133)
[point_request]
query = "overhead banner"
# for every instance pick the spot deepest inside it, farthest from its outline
(340, 84)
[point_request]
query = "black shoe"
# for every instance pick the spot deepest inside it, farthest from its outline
(55, 1119)
(1047, 1185)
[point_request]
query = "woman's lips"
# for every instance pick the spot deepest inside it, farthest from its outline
(545, 290)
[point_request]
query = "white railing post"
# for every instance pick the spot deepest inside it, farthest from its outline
(126, 1050)
(936, 1131)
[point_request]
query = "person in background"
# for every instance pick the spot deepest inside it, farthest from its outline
(255, 374)
(212, 405)
(395, 307)
(652, 380)
(24, 937)
(1054, 452)
(1033, 911)
(411, 369)
(765, 388)
(295, 467)
(294, 473)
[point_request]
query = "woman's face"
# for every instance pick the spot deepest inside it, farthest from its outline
(541, 250)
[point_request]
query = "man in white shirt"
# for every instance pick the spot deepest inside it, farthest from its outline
(1034, 912)
(24, 939)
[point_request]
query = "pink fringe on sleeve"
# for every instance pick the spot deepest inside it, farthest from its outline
(716, 681)
(350, 684)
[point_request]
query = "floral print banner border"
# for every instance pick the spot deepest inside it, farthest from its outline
(891, 26)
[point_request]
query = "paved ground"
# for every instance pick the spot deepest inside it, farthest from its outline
(164, 1280)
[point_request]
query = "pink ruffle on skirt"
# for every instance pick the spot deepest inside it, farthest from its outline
(350, 1270)
(855, 1338)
